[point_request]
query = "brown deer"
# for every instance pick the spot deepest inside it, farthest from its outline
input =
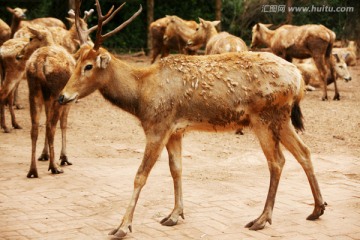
(18, 20)
(47, 70)
(312, 76)
(158, 29)
(347, 53)
(215, 42)
(12, 74)
(4, 32)
(14, 63)
(305, 41)
(210, 93)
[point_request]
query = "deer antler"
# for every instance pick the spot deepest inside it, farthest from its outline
(104, 19)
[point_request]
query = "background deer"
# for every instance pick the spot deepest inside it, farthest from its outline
(18, 20)
(158, 28)
(4, 32)
(47, 71)
(312, 76)
(12, 74)
(14, 62)
(301, 42)
(215, 42)
(212, 93)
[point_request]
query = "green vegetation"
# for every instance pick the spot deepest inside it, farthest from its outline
(238, 16)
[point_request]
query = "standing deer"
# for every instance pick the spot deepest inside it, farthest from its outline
(18, 20)
(47, 70)
(301, 42)
(210, 93)
(172, 37)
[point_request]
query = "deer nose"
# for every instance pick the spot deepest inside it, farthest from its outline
(348, 79)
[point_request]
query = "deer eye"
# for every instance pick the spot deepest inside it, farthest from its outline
(88, 67)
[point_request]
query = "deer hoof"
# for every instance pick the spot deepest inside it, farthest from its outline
(44, 157)
(171, 221)
(257, 224)
(318, 211)
(64, 161)
(55, 170)
(324, 98)
(118, 233)
(168, 222)
(336, 97)
(17, 126)
(19, 106)
(6, 130)
(32, 173)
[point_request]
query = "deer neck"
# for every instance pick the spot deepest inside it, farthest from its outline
(212, 32)
(122, 86)
(15, 24)
(266, 36)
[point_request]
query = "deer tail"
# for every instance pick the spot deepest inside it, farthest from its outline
(296, 115)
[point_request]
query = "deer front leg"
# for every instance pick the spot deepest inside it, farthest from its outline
(175, 162)
(276, 162)
(2, 113)
(155, 144)
(63, 125)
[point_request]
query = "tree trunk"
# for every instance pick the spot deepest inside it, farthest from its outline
(289, 15)
(150, 19)
(218, 13)
(71, 4)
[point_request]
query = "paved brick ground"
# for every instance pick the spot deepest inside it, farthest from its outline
(88, 200)
(225, 180)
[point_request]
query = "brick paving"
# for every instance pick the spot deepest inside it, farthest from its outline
(225, 180)
(88, 200)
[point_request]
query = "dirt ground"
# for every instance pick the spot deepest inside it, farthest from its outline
(225, 177)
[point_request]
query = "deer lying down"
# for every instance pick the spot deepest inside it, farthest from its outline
(216, 43)
(205, 93)
(312, 76)
(348, 54)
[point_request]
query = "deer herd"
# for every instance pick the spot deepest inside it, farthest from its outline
(230, 87)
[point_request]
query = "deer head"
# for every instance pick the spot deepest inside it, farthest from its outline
(92, 61)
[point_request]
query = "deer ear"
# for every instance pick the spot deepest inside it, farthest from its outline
(103, 60)
(10, 9)
(35, 32)
(215, 23)
(346, 55)
(336, 57)
(257, 26)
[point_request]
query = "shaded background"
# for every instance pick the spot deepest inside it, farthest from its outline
(237, 16)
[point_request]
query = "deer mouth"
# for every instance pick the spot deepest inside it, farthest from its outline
(63, 99)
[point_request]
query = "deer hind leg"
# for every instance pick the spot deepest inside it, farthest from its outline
(175, 162)
(154, 145)
(52, 116)
(45, 156)
(275, 159)
(321, 66)
(63, 126)
(291, 140)
(36, 103)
